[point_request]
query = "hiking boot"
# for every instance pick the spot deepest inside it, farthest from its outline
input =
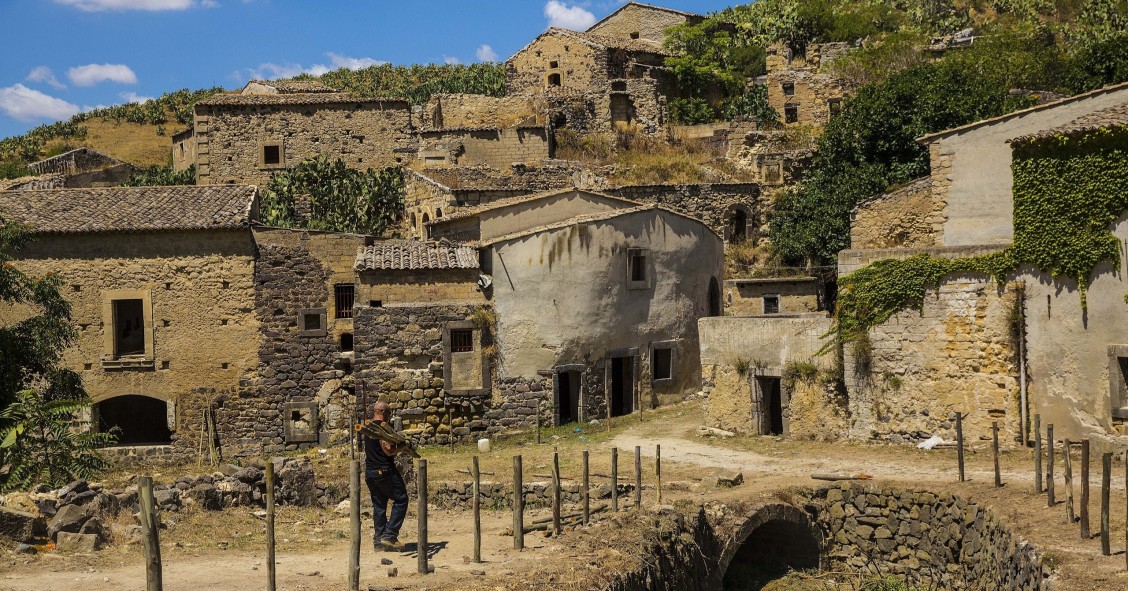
(391, 545)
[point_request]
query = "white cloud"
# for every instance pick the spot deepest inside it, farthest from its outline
(153, 5)
(272, 71)
(133, 97)
(26, 104)
(92, 74)
(567, 17)
(485, 53)
(44, 75)
(450, 60)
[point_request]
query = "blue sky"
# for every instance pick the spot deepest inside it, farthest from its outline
(62, 56)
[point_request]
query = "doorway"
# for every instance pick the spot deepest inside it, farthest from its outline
(140, 420)
(771, 392)
(567, 397)
(622, 386)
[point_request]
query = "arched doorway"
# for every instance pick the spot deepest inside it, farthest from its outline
(737, 225)
(140, 420)
(423, 229)
(715, 307)
(776, 540)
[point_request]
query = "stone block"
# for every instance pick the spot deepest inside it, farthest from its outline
(20, 526)
(76, 543)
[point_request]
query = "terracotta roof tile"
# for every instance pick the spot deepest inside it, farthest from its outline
(415, 254)
(312, 98)
(1114, 116)
(129, 209)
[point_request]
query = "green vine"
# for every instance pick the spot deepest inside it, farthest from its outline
(1068, 191)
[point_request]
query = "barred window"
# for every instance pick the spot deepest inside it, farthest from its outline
(461, 340)
(344, 294)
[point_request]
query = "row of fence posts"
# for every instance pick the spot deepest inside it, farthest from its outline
(150, 521)
(1048, 485)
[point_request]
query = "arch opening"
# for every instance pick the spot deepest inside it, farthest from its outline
(770, 551)
(140, 420)
(716, 307)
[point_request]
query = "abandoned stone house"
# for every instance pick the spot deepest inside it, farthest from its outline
(83, 167)
(959, 352)
(801, 86)
(773, 295)
(635, 20)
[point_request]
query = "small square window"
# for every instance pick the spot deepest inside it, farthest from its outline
(271, 155)
(771, 304)
(461, 340)
(788, 88)
(634, 35)
(311, 322)
(662, 364)
(834, 106)
(554, 64)
(791, 114)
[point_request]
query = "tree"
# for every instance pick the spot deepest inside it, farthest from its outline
(39, 398)
(340, 199)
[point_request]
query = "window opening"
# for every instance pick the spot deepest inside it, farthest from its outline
(788, 88)
(271, 154)
(344, 295)
(554, 64)
(129, 328)
(346, 342)
(555, 80)
(634, 35)
(791, 114)
(461, 340)
(738, 226)
(771, 304)
(311, 321)
(662, 364)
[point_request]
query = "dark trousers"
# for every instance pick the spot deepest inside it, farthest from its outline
(384, 486)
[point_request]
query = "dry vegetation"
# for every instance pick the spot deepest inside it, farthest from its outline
(135, 143)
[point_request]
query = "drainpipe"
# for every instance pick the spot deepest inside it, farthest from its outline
(1022, 395)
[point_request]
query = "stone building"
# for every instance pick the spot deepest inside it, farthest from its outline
(962, 351)
(183, 149)
(801, 87)
(773, 295)
(734, 210)
(635, 20)
(83, 167)
(444, 111)
(489, 146)
(259, 87)
(243, 138)
(593, 82)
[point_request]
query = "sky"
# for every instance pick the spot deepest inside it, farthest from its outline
(66, 56)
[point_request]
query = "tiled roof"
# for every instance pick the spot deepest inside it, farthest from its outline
(647, 6)
(1116, 115)
(294, 86)
(594, 217)
(595, 39)
(415, 254)
(130, 209)
(318, 98)
(470, 212)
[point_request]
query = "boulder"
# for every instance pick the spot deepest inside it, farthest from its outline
(96, 528)
(72, 543)
(229, 469)
(69, 519)
(75, 487)
(20, 526)
(296, 483)
(249, 475)
(167, 499)
(207, 496)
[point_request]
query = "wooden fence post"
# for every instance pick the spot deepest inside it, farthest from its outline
(518, 506)
(587, 490)
(1085, 533)
(150, 534)
(995, 449)
(1068, 464)
(556, 493)
(354, 525)
(1038, 454)
(960, 443)
(271, 563)
(1050, 500)
(658, 469)
(421, 483)
(538, 422)
(1126, 509)
(614, 479)
(638, 478)
(1106, 501)
(477, 504)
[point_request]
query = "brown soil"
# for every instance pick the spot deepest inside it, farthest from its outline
(214, 551)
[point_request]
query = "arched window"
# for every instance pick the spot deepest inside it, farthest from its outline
(424, 230)
(438, 213)
(737, 222)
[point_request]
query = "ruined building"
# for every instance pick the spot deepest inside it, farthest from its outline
(635, 20)
(801, 87)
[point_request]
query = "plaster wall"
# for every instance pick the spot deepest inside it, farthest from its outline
(183, 150)
(977, 186)
(539, 212)
(562, 296)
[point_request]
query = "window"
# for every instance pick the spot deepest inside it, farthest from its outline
(311, 322)
(638, 275)
(1118, 380)
(346, 343)
(461, 340)
(661, 363)
(834, 106)
(634, 35)
(129, 328)
(554, 80)
(788, 88)
(344, 296)
(773, 173)
(791, 114)
(554, 65)
(771, 303)
(270, 155)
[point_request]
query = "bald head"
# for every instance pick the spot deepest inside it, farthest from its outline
(381, 410)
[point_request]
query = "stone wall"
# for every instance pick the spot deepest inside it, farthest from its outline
(711, 203)
(498, 148)
(745, 297)
(390, 287)
(921, 367)
(538, 495)
(364, 134)
(641, 22)
(478, 110)
(814, 87)
(931, 540)
(183, 150)
(907, 217)
(581, 66)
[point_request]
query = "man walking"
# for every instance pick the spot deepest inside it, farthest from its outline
(385, 483)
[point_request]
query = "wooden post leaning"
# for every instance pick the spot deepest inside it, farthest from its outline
(477, 505)
(1038, 454)
(422, 548)
(1085, 533)
(1106, 485)
(614, 479)
(995, 450)
(150, 534)
(960, 444)
(658, 470)
(587, 491)
(555, 493)
(518, 506)
(354, 525)
(271, 562)
(1050, 500)
(1068, 465)
(638, 478)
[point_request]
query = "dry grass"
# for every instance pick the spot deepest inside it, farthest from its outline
(130, 142)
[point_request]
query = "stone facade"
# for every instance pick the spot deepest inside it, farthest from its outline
(444, 111)
(640, 21)
(494, 147)
(909, 216)
(245, 138)
(183, 150)
(727, 208)
(751, 297)
(801, 87)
